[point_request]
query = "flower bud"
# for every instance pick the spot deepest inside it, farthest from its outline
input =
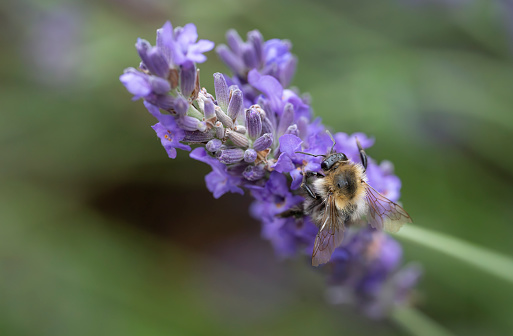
(198, 136)
(240, 129)
(222, 117)
(302, 125)
(254, 173)
(181, 106)
(265, 141)
(230, 59)
(159, 85)
(267, 126)
(287, 71)
(235, 105)
(214, 145)
(143, 48)
(209, 109)
(249, 56)
(238, 139)
(264, 106)
(222, 93)
(229, 156)
(292, 130)
(234, 41)
(188, 123)
(159, 65)
(253, 123)
(250, 155)
(187, 78)
(287, 118)
(219, 130)
(257, 41)
(202, 126)
(165, 102)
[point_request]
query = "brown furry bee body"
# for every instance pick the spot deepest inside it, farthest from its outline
(341, 197)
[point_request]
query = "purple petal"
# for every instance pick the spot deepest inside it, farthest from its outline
(188, 34)
(136, 83)
(269, 86)
(165, 40)
(297, 178)
(284, 164)
(289, 144)
(202, 46)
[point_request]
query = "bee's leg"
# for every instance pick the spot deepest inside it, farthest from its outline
(310, 192)
(294, 212)
(363, 155)
(306, 187)
(309, 174)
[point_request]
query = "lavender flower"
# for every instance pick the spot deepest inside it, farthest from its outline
(365, 271)
(250, 132)
(168, 131)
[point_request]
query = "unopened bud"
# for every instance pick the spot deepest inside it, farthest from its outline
(222, 117)
(250, 155)
(222, 93)
(198, 136)
(249, 56)
(257, 41)
(187, 78)
(287, 118)
(219, 130)
(253, 123)
(165, 102)
(238, 139)
(254, 173)
(230, 59)
(214, 145)
(209, 109)
(181, 106)
(159, 85)
(229, 156)
(235, 106)
(265, 141)
(240, 129)
(292, 129)
(188, 123)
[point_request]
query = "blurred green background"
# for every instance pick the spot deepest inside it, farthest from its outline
(102, 234)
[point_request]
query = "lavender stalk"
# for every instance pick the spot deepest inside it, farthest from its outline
(249, 131)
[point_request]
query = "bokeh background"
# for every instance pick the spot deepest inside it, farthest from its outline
(102, 234)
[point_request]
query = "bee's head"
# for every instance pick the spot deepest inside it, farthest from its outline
(330, 161)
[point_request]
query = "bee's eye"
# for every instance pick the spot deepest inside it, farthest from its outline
(324, 165)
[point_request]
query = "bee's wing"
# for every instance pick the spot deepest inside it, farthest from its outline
(330, 234)
(382, 213)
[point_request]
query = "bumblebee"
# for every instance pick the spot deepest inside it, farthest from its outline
(340, 197)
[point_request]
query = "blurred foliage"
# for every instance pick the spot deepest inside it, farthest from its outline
(102, 234)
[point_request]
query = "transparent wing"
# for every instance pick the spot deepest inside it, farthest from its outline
(330, 234)
(383, 213)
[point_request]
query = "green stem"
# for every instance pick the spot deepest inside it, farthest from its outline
(417, 323)
(491, 262)
(194, 113)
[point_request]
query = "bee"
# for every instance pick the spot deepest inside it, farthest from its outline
(339, 197)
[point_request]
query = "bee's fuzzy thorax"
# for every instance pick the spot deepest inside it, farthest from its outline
(345, 183)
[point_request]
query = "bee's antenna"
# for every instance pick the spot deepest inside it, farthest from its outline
(331, 137)
(316, 155)
(363, 155)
